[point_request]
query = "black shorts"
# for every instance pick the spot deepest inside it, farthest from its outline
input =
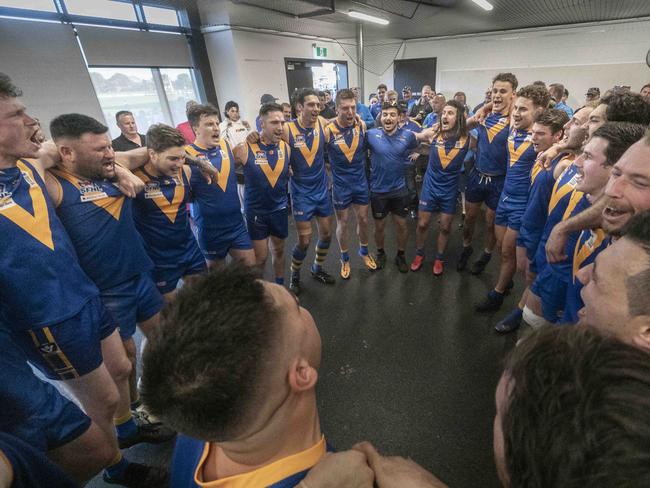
(384, 203)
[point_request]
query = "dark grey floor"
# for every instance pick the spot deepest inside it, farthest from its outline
(407, 364)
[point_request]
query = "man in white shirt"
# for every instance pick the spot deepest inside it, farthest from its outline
(234, 130)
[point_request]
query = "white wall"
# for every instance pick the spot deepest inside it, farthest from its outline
(580, 57)
(245, 65)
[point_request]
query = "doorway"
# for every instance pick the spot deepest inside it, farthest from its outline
(414, 73)
(317, 74)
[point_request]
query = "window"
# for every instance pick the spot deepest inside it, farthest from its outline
(110, 9)
(154, 95)
(158, 15)
(131, 89)
(179, 88)
(46, 5)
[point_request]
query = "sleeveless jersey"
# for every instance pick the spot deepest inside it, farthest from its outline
(215, 206)
(267, 175)
(557, 206)
(307, 157)
(521, 158)
(99, 220)
(41, 281)
(160, 214)
(492, 144)
(446, 158)
(346, 150)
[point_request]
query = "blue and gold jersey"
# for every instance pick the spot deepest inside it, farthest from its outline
(215, 206)
(267, 175)
(492, 149)
(99, 220)
(446, 158)
(590, 243)
(190, 456)
(41, 281)
(308, 156)
(521, 158)
(346, 150)
(541, 189)
(160, 214)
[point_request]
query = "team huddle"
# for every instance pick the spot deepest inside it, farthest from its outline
(96, 242)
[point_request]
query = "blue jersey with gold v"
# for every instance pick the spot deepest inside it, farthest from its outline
(346, 150)
(492, 144)
(521, 159)
(40, 277)
(267, 175)
(99, 220)
(216, 205)
(308, 157)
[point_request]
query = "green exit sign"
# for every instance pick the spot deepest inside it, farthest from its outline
(319, 52)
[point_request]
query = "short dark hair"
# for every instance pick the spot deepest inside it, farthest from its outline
(619, 136)
(461, 120)
(204, 365)
(647, 85)
(75, 125)
(389, 105)
(507, 77)
(7, 88)
(638, 285)
(197, 111)
(539, 95)
(304, 93)
(577, 411)
(344, 94)
(270, 107)
(539, 83)
(161, 137)
(557, 91)
(382, 85)
(566, 92)
(626, 107)
(553, 118)
(321, 93)
(121, 113)
(230, 104)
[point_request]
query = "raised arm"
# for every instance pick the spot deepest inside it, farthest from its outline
(132, 159)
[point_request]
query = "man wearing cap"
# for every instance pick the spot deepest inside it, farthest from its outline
(593, 94)
(264, 99)
(407, 96)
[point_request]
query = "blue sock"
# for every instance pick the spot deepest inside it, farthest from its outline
(345, 256)
(321, 253)
(419, 251)
(440, 256)
(279, 281)
(127, 428)
(297, 257)
(363, 249)
(116, 470)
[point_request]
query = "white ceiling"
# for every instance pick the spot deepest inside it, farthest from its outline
(411, 19)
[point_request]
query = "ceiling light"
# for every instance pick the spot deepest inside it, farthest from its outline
(369, 18)
(484, 4)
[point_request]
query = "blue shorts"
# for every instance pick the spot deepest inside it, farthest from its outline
(483, 188)
(167, 277)
(552, 292)
(345, 196)
(71, 348)
(33, 410)
(510, 211)
(530, 241)
(261, 226)
(435, 201)
(132, 301)
(305, 207)
(223, 240)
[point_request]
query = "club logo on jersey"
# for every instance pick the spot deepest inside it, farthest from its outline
(91, 191)
(280, 154)
(503, 120)
(6, 199)
(260, 158)
(223, 154)
(152, 190)
(299, 140)
(28, 178)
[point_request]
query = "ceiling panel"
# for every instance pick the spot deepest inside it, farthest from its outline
(429, 17)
